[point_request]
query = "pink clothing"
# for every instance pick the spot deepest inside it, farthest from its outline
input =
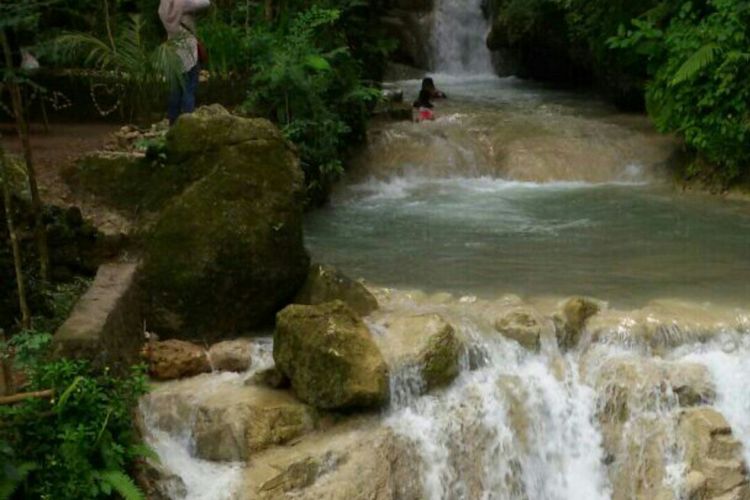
(425, 114)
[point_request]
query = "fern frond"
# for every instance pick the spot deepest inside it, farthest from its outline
(695, 63)
(144, 451)
(122, 484)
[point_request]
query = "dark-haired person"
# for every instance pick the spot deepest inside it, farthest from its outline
(428, 84)
(177, 18)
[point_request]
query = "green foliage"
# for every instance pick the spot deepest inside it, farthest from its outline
(305, 78)
(700, 84)
(79, 445)
(136, 68)
(688, 58)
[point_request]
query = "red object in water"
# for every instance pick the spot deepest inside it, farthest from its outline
(426, 114)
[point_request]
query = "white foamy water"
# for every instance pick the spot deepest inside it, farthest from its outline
(728, 360)
(509, 429)
(172, 440)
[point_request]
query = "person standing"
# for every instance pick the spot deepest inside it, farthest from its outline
(178, 19)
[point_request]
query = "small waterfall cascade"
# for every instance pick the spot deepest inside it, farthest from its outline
(458, 38)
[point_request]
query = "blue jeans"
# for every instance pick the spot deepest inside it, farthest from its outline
(182, 98)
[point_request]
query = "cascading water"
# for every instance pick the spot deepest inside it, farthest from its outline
(458, 38)
(515, 190)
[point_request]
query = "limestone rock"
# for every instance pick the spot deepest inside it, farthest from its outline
(425, 341)
(270, 377)
(157, 482)
(712, 451)
(227, 421)
(235, 233)
(172, 359)
(357, 460)
(235, 423)
(572, 320)
(330, 357)
(231, 355)
(692, 384)
(523, 325)
(326, 284)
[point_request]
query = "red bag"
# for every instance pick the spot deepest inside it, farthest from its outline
(202, 53)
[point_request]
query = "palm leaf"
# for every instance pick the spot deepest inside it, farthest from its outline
(695, 63)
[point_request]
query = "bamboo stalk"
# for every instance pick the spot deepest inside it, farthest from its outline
(22, 128)
(23, 396)
(15, 247)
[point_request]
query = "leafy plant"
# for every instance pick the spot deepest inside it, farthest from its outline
(128, 62)
(701, 86)
(305, 78)
(78, 445)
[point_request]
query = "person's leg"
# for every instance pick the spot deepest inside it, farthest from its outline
(175, 100)
(191, 87)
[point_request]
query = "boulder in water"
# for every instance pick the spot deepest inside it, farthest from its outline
(227, 253)
(572, 319)
(330, 357)
(425, 341)
(713, 456)
(173, 359)
(231, 355)
(359, 459)
(326, 284)
(524, 325)
(236, 422)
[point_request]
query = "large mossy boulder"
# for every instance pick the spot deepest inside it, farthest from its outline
(326, 284)
(330, 358)
(227, 253)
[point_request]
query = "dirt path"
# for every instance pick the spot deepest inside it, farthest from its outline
(58, 149)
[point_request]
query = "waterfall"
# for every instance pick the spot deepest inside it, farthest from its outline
(458, 38)
(513, 428)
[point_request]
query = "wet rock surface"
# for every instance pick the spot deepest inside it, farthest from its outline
(425, 342)
(524, 325)
(357, 460)
(326, 284)
(329, 356)
(231, 355)
(174, 359)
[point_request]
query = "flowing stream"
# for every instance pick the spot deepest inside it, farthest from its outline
(519, 196)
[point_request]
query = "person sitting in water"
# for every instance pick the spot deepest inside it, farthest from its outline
(428, 84)
(424, 107)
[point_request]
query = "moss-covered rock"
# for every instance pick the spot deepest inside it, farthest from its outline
(571, 320)
(425, 341)
(524, 325)
(326, 284)
(227, 253)
(330, 357)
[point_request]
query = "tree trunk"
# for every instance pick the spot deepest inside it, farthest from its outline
(7, 387)
(22, 128)
(16, 248)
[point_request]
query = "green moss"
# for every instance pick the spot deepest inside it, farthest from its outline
(440, 360)
(330, 358)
